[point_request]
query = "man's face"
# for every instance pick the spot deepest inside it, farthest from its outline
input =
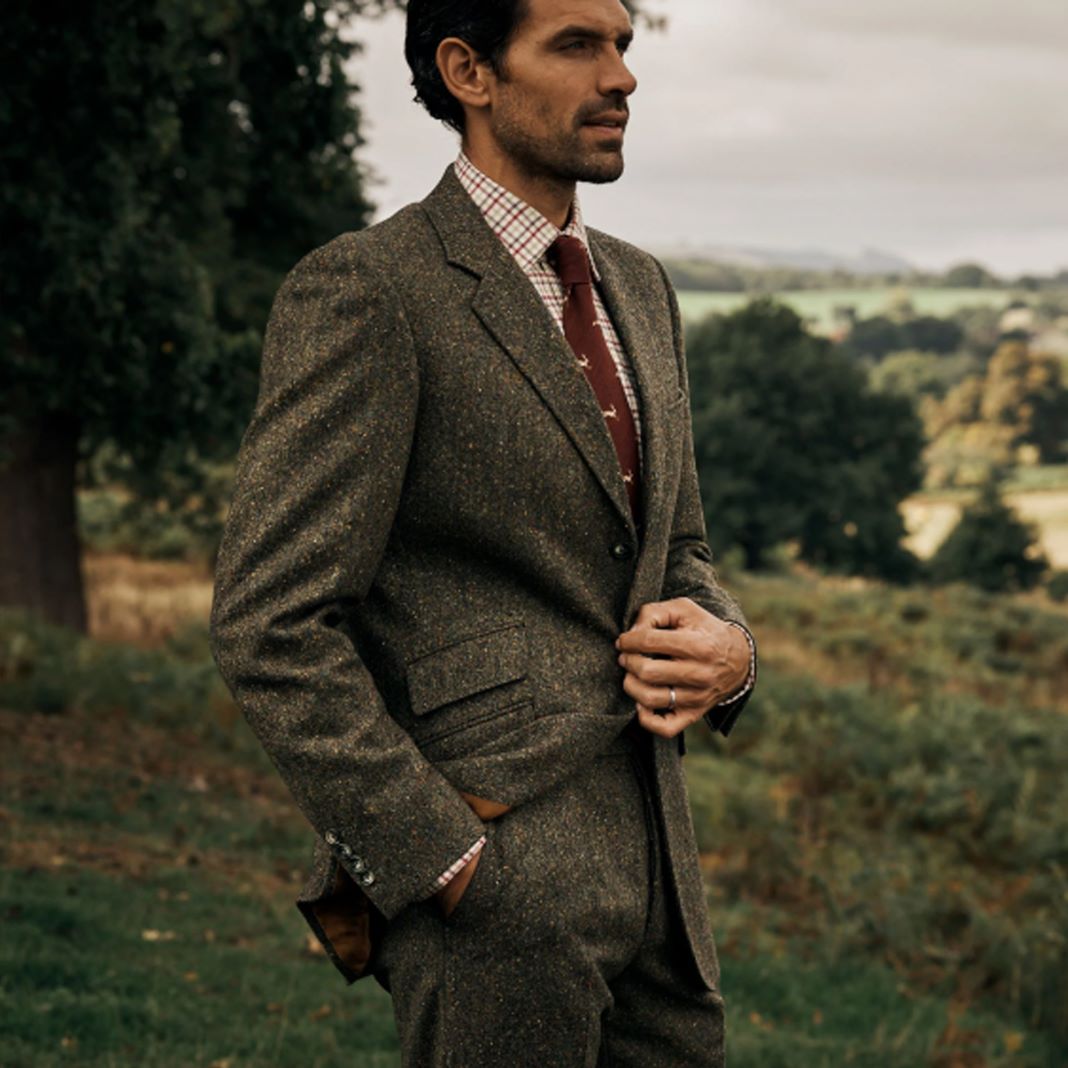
(560, 103)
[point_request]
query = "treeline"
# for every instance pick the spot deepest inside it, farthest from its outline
(189, 155)
(721, 277)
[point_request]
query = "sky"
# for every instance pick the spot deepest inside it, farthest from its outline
(933, 129)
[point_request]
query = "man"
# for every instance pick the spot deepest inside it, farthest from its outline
(464, 596)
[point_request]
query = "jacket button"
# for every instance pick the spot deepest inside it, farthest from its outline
(621, 551)
(367, 879)
(358, 865)
(331, 838)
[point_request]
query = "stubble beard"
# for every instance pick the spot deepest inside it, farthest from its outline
(563, 158)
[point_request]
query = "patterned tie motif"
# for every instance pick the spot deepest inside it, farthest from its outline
(570, 261)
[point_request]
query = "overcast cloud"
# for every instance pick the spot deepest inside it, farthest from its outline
(935, 129)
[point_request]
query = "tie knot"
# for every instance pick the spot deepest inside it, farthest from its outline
(570, 261)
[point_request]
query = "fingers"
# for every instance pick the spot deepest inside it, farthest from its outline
(683, 672)
(650, 696)
(681, 643)
(659, 697)
(673, 613)
(667, 725)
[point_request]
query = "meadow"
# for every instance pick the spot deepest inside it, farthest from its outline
(884, 837)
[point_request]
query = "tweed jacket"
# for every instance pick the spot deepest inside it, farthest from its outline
(429, 553)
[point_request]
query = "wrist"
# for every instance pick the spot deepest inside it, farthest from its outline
(743, 658)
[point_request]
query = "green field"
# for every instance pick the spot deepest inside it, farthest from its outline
(884, 836)
(817, 305)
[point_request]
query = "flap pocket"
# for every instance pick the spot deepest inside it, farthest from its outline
(467, 667)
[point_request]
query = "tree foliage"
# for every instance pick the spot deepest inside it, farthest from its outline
(792, 444)
(165, 163)
(1017, 409)
(881, 335)
(920, 374)
(990, 548)
(969, 276)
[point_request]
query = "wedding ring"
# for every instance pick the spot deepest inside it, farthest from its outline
(671, 702)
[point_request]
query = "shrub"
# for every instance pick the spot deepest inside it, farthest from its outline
(990, 548)
(1057, 586)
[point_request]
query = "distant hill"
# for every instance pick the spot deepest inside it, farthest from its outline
(867, 262)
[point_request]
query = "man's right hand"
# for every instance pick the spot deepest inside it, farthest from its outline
(483, 807)
(449, 895)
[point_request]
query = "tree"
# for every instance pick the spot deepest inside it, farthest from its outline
(988, 421)
(1026, 391)
(920, 374)
(969, 276)
(793, 445)
(928, 333)
(163, 163)
(990, 548)
(875, 337)
(981, 329)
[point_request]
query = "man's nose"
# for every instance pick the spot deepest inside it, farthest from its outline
(617, 77)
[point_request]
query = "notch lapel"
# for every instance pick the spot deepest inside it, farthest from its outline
(510, 309)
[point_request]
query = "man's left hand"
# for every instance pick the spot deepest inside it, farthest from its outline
(677, 645)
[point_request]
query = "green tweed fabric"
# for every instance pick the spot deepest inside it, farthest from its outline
(429, 552)
(564, 949)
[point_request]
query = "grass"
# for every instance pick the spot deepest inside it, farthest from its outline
(790, 1012)
(147, 886)
(883, 839)
(171, 967)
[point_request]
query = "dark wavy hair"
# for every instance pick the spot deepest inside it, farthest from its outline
(486, 25)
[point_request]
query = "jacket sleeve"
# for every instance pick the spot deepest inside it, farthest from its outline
(690, 571)
(318, 480)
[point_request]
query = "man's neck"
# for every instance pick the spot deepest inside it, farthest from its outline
(552, 197)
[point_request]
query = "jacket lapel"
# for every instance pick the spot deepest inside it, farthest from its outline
(511, 310)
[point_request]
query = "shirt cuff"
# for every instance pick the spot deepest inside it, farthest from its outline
(454, 869)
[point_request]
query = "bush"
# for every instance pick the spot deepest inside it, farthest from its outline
(51, 669)
(1057, 586)
(990, 548)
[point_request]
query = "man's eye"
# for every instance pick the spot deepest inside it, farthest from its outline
(576, 46)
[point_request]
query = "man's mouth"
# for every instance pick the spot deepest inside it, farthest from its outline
(609, 121)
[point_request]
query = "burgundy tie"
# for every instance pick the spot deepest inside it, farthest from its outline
(569, 259)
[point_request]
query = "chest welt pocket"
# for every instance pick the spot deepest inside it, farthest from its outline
(469, 682)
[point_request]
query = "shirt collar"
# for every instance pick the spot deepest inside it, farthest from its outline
(525, 232)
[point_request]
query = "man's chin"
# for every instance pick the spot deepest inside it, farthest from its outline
(603, 175)
(605, 167)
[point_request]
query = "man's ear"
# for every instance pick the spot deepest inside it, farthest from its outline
(465, 74)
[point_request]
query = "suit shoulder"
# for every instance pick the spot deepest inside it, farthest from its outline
(631, 256)
(362, 252)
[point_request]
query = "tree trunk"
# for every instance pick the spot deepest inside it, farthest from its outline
(40, 555)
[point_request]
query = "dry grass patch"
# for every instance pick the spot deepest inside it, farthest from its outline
(143, 602)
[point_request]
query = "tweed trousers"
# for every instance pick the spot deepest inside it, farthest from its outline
(566, 949)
